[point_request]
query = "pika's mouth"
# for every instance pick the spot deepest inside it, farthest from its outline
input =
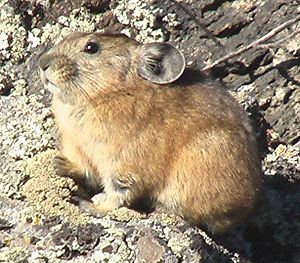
(47, 82)
(47, 74)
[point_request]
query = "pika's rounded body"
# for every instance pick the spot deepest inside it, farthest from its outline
(131, 122)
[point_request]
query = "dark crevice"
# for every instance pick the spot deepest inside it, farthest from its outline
(232, 30)
(239, 68)
(27, 12)
(264, 249)
(96, 7)
(213, 6)
(259, 60)
(283, 70)
(8, 86)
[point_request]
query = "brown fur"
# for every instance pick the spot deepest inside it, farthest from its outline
(187, 146)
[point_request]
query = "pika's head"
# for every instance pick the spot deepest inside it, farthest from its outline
(90, 64)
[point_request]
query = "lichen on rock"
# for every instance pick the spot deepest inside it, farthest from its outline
(146, 22)
(48, 193)
(13, 35)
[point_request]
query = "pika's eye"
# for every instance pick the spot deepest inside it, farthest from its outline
(91, 47)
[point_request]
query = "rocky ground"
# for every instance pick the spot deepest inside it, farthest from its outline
(38, 223)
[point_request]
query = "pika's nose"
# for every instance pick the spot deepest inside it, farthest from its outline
(44, 62)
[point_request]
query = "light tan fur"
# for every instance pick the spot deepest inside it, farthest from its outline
(185, 145)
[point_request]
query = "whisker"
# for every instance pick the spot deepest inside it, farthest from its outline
(97, 92)
(75, 86)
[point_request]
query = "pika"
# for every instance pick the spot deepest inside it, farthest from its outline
(135, 125)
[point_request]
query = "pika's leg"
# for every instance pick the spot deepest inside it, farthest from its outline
(86, 181)
(114, 196)
(101, 204)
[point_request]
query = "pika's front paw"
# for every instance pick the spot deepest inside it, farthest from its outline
(88, 207)
(99, 206)
(61, 165)
(65, 168)
(88, 185)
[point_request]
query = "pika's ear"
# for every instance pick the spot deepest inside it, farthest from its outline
(160, 63)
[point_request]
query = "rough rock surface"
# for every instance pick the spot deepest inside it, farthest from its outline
(38, 220)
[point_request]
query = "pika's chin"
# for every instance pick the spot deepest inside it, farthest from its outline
(51, 87)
